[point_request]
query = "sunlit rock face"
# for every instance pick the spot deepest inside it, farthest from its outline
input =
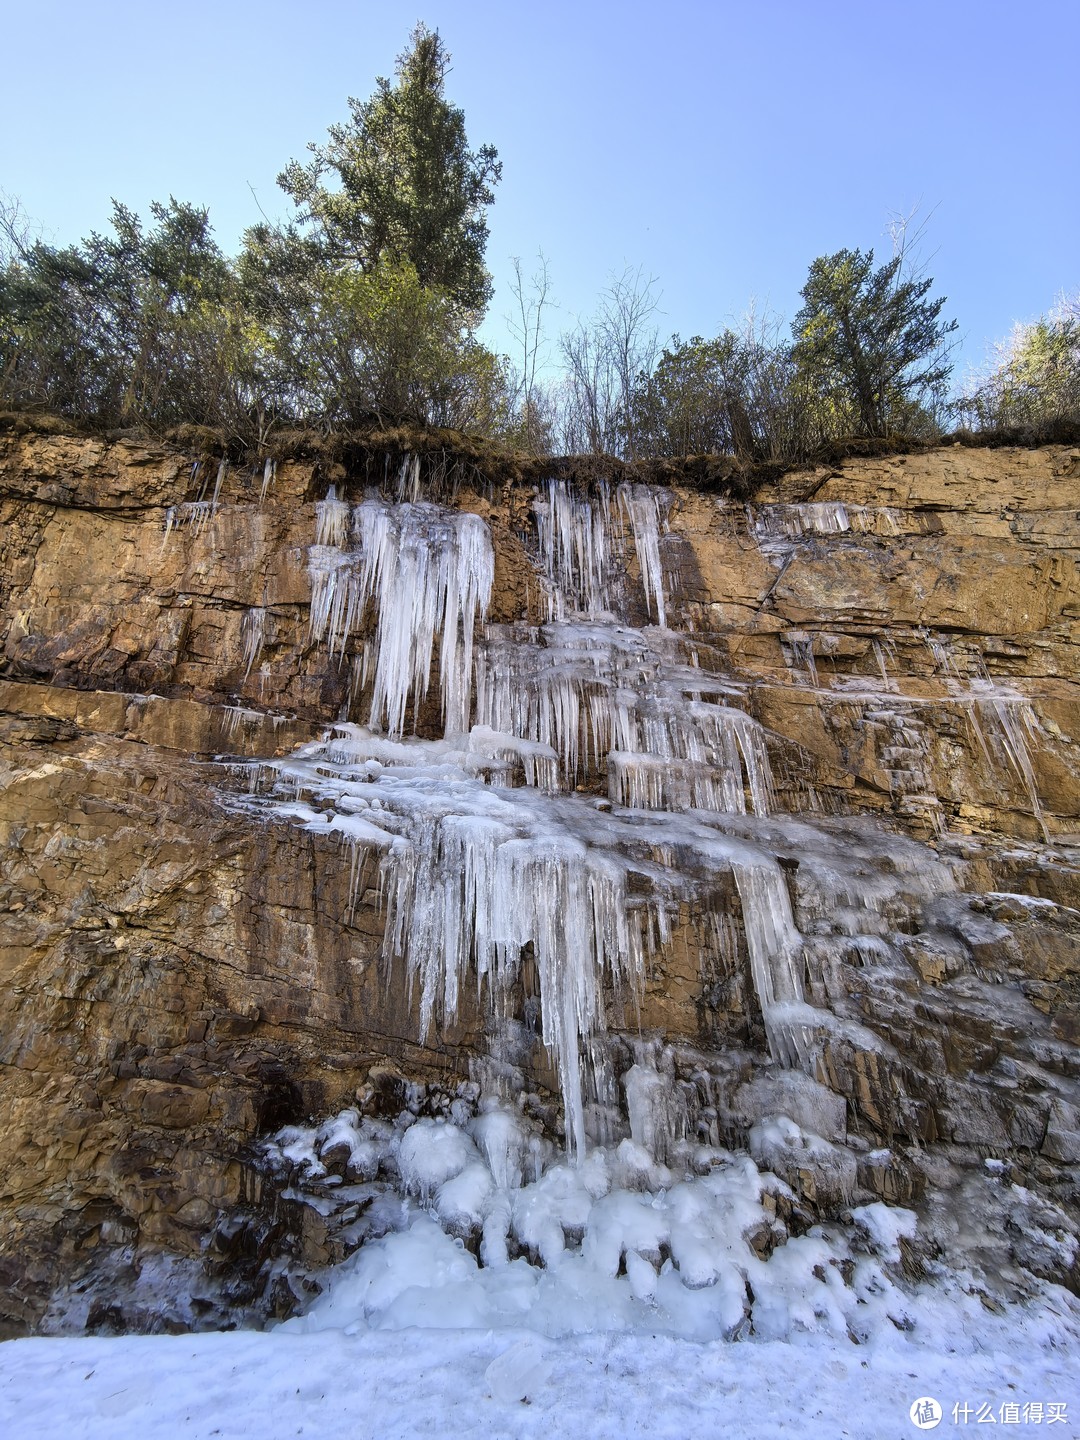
(603, 839)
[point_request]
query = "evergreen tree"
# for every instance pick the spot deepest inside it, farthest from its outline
(408, 187)
(871, 343)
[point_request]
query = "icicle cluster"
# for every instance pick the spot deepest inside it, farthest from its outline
(479, 873)
(574, 536)
(583, 549)
(608, 698)
(641, 506)
(429, 572)
(474, 877)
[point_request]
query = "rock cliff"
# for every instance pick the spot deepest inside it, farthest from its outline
(186, 969)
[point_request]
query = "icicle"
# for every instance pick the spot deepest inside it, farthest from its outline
(252, 637)
(574, 536)
(430, 572)
(640, 504)
(470, 887)
(1013, 720)
(268, 476)
(408, 481)
(801, 648)
(218, 482)
(775, 949)
(170, 524)
(336, 598)
(192, 513)
(331, 520)
(237, 718)
(600, 695)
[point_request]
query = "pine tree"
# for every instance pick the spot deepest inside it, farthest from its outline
(871, 342)
(409, 188)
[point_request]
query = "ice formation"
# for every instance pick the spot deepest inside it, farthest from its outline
(641, 504)
(582, 547)
(268, 476)
(252, 637)
(471, 1221)
(478, 879)
(429, 572)
(496, 877)
(597, 793)
(611, 700)
(574, 536)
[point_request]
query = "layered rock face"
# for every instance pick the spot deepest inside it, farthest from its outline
(826, 808)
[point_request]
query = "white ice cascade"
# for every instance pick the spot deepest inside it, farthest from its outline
(472, 877)
(493, 884)
(429, 572)
(775, 948)
(574, 537)
(606, 698)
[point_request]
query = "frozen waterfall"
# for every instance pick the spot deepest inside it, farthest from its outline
(499, 879)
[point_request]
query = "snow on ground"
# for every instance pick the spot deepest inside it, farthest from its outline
(462, 1383)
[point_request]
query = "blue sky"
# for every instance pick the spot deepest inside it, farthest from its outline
(718, 146)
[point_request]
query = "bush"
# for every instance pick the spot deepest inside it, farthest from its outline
(1034, 384)
(137, 327)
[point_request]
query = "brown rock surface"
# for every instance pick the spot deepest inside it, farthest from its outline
(178, 979)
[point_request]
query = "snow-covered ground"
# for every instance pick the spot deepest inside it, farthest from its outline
(421, 1382)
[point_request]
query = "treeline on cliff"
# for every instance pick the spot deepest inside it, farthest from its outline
(365, 306)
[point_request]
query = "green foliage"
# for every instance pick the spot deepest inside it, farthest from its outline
(694, 402)
(342, 345)
(407, 186)
(870, 345)
(1035, 381)
(367, 302)
(137, 326)
(739, 394)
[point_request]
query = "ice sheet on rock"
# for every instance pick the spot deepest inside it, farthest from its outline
(537, 763)
(886, 1226)
(431, 1153)
(654, 1105)
(810, 1104)
(594, 1259)
(778, 528)
(780, 1145)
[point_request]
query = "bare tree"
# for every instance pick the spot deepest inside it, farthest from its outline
(604, 359)
(626, 309)
(17, 233)
(526, 326)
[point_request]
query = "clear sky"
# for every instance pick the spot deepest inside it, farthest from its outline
(720, 146)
